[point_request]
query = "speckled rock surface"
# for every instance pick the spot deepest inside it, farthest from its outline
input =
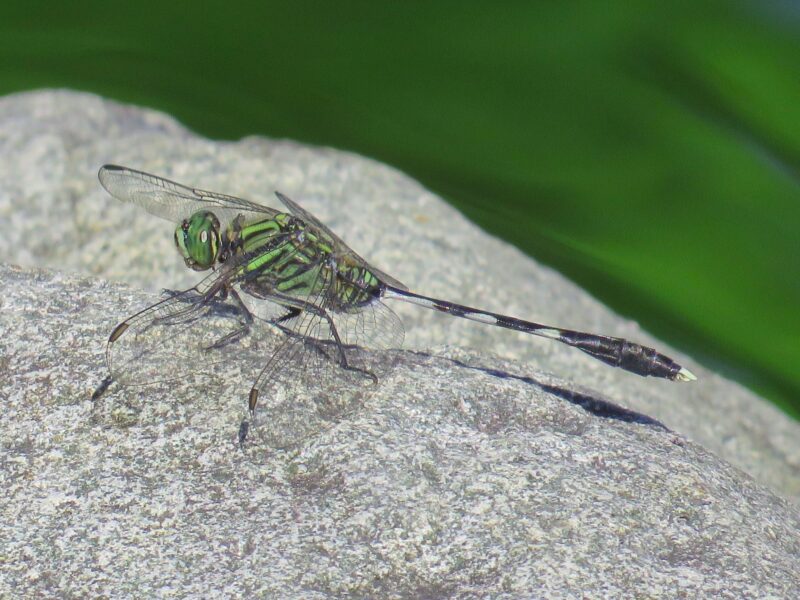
(452, 481)
(463, 475)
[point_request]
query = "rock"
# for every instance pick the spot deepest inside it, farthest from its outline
(461, 475)
(451, 481)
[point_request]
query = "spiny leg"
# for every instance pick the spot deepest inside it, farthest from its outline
(313, 309)
(206, 299)
(291, 313)
(164, 331)
(243, 311)
(162, 312)
(339, 348)
(312, 313)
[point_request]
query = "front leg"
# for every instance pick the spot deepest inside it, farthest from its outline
(241, 310)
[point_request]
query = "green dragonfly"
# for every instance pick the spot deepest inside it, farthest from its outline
(285, 271)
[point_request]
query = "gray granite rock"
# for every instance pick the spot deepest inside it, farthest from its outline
(461, 475)
(456, 479)
(52, 143)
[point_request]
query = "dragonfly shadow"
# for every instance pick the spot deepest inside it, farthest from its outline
(591, 404)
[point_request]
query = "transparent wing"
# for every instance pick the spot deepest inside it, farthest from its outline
(324, 369)
(170, 200)
(183, 333)
(342, 248)
(173, 339)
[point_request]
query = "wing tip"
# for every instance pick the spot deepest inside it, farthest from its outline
(110, 168)
(106, 171)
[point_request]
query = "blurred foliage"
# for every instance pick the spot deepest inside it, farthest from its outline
(648, 150)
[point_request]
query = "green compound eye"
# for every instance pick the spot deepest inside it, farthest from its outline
(197, 239)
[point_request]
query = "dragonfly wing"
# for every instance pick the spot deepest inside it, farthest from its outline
(177, 336)
(194, 331)
(342, 248)
(371, 327)
(288, 394)
(324, 369)
(173, 201)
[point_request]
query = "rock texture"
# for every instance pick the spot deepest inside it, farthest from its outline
(452, 481)
(462, 475)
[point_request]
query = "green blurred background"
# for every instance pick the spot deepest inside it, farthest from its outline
(648, 150)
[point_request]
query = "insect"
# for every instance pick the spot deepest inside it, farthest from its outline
(288, 271)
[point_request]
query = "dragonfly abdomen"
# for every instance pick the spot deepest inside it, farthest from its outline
(617, 352)
(621, 353)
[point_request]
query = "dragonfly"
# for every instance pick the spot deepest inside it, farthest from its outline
(284, 277)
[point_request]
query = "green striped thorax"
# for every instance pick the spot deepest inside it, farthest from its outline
(201, 242)
(299, 265)
(198, 240)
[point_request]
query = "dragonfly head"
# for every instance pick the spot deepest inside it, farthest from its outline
(198, 240)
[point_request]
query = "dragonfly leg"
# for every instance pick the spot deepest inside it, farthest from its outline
(295, 306)
(238, 300)
(291, 313)
(241, 310)
(198, 299)
(228, 338)
(292, 308)
(341, 356)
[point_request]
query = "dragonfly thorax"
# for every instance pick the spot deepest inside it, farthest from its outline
(198, 240)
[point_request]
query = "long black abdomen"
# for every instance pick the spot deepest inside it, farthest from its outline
(613, 351)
